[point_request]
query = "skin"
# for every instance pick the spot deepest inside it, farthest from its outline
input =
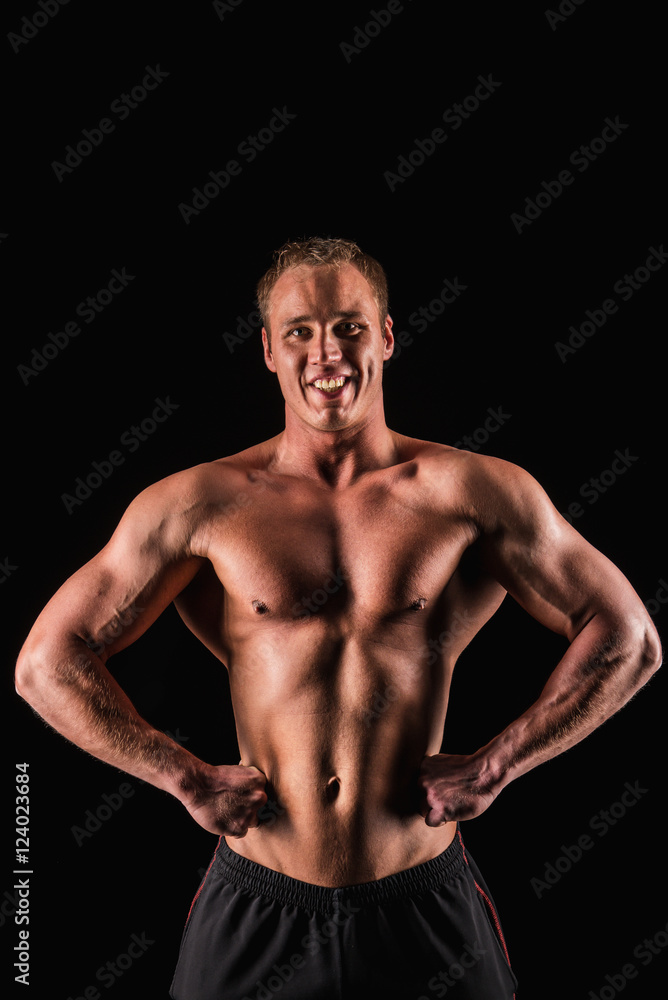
(338, 570)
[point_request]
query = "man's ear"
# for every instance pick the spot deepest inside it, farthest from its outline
(388, 337)
(268, 358)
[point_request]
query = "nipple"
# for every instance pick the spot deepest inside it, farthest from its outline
(419, 604)
(260, 607)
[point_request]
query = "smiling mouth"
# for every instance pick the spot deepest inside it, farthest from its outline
(330, 384)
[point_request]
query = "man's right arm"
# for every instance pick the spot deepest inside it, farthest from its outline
(101, 609)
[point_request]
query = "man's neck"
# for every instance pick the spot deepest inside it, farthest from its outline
(336, 457)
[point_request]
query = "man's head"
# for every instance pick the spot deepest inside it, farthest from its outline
(320, 252)
(326, 331)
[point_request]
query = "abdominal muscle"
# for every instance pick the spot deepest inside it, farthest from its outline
(340, 745)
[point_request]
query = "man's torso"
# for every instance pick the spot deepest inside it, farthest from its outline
(339, 614)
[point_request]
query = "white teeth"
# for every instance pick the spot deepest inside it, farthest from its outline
(329, 384)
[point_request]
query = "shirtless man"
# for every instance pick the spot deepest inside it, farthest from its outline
(324, 567)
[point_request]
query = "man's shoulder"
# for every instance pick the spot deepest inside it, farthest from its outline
(214, 481)
(448, 460)
(175, 513)
(490, 489)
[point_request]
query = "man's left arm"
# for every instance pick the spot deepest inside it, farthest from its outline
(573, 589)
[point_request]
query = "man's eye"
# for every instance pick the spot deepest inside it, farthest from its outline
(298, 331)
(349, 327)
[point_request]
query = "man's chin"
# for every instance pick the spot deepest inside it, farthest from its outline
(328, 418)
(333, 420)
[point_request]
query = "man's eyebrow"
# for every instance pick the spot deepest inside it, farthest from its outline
(343, 314)
(295, 320)
(351, 313)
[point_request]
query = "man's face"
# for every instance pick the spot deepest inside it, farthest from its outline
(325, 327)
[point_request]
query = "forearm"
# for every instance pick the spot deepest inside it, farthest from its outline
(605, 665)
(72, 690)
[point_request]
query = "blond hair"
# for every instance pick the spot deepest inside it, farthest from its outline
(319, 252)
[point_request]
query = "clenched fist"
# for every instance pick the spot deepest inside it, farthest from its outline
(452, 788)
(227, 798)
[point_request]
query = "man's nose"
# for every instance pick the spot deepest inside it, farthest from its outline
(324, 347)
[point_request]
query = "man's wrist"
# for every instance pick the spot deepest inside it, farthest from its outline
(493, 767)
(174, 769)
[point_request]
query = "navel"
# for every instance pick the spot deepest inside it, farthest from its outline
(332, 789)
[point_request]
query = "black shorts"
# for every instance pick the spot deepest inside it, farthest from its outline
(426, 932)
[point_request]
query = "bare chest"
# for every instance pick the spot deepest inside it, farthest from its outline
(363, 555)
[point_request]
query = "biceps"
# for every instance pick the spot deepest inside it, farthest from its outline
(561, 580)
(112, 600)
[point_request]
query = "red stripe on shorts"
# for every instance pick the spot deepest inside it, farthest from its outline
(203, 880)
(493, 912)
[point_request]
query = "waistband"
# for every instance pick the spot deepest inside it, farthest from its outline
(262, 881)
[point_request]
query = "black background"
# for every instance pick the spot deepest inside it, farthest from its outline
(494, 347)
